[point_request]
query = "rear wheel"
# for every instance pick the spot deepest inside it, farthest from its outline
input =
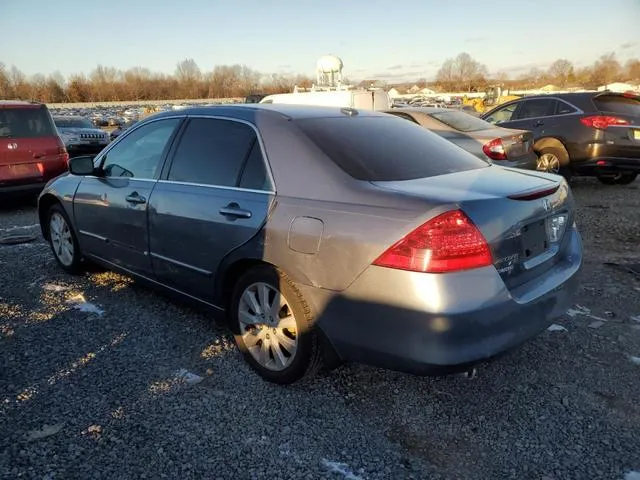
(63, 241)
(618, 178)
(554, 160)
(271, 324)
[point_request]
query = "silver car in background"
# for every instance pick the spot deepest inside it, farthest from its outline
(80, 136)
(504, 146)
(325, 234)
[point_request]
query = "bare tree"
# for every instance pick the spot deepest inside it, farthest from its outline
(606, 70)
(632, 70)
(446, 77)
(561, 72)
(462, 72)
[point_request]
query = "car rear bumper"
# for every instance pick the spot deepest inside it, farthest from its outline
(604, 165)
(9, 189)
(432, 324)
(529, 162)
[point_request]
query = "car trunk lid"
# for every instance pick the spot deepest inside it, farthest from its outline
(523, 215)
(516, 143)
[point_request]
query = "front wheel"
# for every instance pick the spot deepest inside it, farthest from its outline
(63, 241)
(618, 178)
(271, 325)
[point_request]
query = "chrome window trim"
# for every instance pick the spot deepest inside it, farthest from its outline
(578, 111)
(265, 159)
(222, 187)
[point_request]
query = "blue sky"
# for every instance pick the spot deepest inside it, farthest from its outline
(400, 40)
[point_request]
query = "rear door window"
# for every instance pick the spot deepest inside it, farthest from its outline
(541, 107)
(383, 148)
(28, 122)
(212, 152)
(618, 104)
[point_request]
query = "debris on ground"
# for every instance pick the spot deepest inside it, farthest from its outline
(44, 432)
(188, 377)
(556, 328)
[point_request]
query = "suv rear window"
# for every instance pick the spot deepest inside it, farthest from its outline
(386, 148)
(26, 122)
(618, 104)
(463, 122)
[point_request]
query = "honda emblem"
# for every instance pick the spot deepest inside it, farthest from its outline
(12, 146)
(546, 204)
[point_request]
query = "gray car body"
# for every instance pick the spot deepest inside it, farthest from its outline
(324, 229)
(473, 141)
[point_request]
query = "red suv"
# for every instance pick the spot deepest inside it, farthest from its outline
(31, 152)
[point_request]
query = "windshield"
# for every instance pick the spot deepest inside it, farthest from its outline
(25, 123)
(62, 122)
(618, 104)
(386, 148)
(461, 121)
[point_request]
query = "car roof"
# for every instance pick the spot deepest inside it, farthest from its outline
(426, 110)
(249, 111)
(19, 103)
(69, 117)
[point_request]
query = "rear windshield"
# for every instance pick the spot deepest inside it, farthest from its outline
(73, 123)
(386, 148)
(25, 123)
(461, 121)
(618, 104)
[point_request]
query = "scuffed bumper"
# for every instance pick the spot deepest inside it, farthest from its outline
(432, 324)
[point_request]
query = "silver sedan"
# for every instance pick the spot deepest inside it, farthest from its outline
(325, 235)
(504, 146)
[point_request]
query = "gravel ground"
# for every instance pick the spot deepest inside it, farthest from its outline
(92, 386)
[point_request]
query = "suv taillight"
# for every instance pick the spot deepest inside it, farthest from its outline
(495, 150)
(449, 242)
(62, 151)
(602, 121)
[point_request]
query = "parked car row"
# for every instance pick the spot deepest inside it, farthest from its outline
(325, 234)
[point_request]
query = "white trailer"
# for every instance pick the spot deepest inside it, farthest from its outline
(358, 99)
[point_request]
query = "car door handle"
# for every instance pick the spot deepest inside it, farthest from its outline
(38, 155)
(539, 123)
(234, 210)
(135, 198)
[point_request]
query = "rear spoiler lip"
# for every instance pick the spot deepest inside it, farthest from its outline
(535, 194)
(626, 94)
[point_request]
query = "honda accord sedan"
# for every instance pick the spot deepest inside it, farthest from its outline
(325, 235)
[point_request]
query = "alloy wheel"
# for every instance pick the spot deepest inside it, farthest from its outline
(61, 239)
(548, 162)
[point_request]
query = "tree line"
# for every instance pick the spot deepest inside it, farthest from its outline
(462, 73)
(106, 84)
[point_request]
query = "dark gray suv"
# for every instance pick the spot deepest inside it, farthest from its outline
(590, 133)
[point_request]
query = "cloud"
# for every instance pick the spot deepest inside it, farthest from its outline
(395, 67)
(281, 67)
(408, 74)
(475, 39)
(628, 45)
(415, 65)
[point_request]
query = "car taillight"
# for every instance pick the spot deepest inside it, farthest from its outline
(447, 243)
(602, 121)
(495, 150)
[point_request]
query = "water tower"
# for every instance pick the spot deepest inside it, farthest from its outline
(329, 71)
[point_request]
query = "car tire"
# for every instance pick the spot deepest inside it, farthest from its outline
(618, 179)
(281, 346)
(554, 160)
(63, 241)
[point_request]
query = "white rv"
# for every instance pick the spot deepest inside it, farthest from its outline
(359, 99)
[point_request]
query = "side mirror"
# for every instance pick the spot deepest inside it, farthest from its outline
(82, 165)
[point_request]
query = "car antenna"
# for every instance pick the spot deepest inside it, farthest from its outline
(352, 112)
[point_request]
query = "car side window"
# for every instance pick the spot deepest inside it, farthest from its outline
(254, 175)
(564, 108)
(212, 152)
(139, 154)
(541, 107)
(503, 114)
